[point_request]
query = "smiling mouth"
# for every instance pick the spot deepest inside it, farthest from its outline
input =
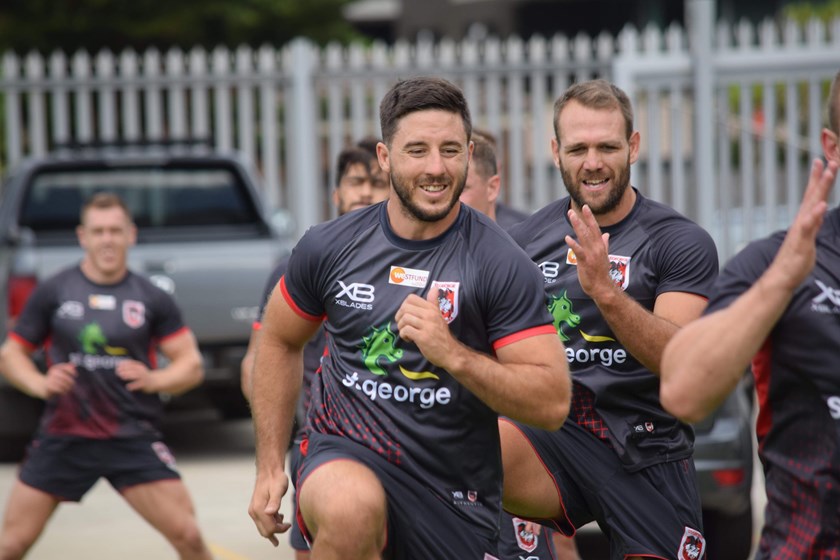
(433, 188)
(594, 183)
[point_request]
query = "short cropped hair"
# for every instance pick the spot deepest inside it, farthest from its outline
(419, 94)
(484, 156)
(103, 201)
(348, 157)
(595, 94)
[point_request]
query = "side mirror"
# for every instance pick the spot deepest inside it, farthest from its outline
(283, 223)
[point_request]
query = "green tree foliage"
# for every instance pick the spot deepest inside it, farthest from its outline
(69, 25)
(803, 11)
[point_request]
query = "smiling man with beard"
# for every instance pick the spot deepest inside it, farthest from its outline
(401, 458)
(622, 274)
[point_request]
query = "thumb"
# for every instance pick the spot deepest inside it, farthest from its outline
(432, 296)
(273, 504)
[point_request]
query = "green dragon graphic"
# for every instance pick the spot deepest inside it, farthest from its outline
(561, 310)
(92, 337)
(381, 343)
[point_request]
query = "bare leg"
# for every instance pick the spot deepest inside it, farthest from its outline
(344, 507)
(565, 547)
(529, 491)
(27, 512)
(167, 506)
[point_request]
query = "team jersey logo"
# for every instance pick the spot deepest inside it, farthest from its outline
(619, 268)
(561, 309)
(447, 298)
(93, 339)
(692, 545)
(134, 313)
(410, 277)
(104, 302)
(525, 538)
(381, 344)
(828, 301)
(71, 310)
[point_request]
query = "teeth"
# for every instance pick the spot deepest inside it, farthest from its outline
(433, 188)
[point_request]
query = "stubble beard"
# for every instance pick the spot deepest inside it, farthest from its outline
(575, 189)
(413, 210)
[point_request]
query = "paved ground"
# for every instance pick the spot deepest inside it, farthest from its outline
(217, 462)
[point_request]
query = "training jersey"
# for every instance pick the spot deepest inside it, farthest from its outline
(798, 387)
(652, 251)
(312, 352)
(379, 390)
(95, 327)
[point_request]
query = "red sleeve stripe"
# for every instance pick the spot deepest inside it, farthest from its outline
(256, 325)
(521, 335)
(179, 332)
(294, 306)
(23, 341)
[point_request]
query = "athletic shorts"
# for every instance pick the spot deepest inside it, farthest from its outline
(67, 467)
(296, 539)
(421, 526)
(651, 512)
(516, 543)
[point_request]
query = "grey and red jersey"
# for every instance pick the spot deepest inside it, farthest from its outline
(96, 326)
(379, 390)
(652, 251)
(798, 386)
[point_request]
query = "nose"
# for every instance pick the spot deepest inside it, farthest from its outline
(434, 163)
(366, 191)
(593, 159)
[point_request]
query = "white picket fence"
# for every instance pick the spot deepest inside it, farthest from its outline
(729, 115)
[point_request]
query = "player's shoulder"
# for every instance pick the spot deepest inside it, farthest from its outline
(544, 219)
(344, 228)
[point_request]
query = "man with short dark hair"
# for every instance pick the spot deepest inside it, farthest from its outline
(100, 324)
(433, 319)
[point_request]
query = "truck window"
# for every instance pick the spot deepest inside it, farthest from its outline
(159, 197)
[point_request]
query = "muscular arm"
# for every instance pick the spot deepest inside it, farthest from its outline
(184, 370)
(643, 333)
(17, 367)
(277, 378)
(705, 360)
(528, 381)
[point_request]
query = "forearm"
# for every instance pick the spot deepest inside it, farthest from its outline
(706, 359)
(641, 332)
(535, 394)
(179, 376)
(22, 373)
(277, 378)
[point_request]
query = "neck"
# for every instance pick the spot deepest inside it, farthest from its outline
(99, 276)
(407, 226)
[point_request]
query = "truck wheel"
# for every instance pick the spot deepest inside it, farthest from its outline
(728, 537)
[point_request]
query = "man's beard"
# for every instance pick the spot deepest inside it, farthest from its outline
(621, 182)
(414, 210)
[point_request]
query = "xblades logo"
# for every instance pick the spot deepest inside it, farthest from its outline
(828, 301)
(828, 293)
(360, 295)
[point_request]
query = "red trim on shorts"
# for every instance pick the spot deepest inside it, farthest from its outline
(20, 340)
(522, 335)
(553, 480)
(288, 297)
(761, 372)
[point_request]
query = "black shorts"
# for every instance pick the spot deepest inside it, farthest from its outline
(296, 539)
(67, 467)
(651, 512)
(420, 524)
(515, 543)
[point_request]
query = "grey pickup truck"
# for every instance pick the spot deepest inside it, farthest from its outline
(205, 235)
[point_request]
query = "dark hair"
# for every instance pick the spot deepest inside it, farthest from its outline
(349, 157)
(102, 201)
(834, 105)
(419, 94)
(595, 94)
(484, 156)
(368, 143)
